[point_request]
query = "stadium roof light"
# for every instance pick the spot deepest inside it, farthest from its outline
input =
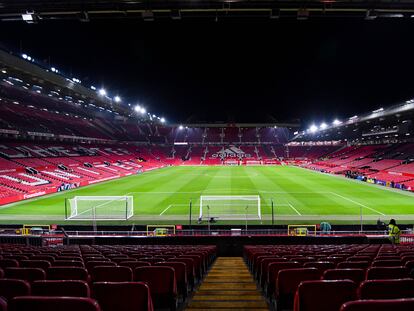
(137, 108)
(353, 117)
(143, 110)
(24, 56)
(4, 71)
(102, 92)
(162, 120)
(336, 122)
(181, 127)
(313, 128)
(117, 99)
(93, 88)
(323, 126)
(378, 110)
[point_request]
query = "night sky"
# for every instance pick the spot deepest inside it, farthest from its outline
(239, 70)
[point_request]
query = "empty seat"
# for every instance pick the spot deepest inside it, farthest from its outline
(68, 263)
(91, 264)
(162, 284)
(353, 264)
(324, 295)
(3, 304)
(42, 264)
(356, 275)
(273, 270)
(123, 296)
(49, 303)
(67, 273)
(6, 263)
(180, 275)
(320, 265)
(111, 274)
(10, 288)
(71, 288)
(287, 282)
(379, 305)
(387, 263)
(375, 273)
(386, 289)
(134, 264)
(27, 274)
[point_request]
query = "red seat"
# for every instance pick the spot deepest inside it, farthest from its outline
(10, 288)
(353, 264)
(379, 305)
(27, 274)
(387, 263)
(123, 296)
(3, 304)
(134, 264)
(67, 273)
(68, 263)
(7, 263)
(111, 274)
(356, 275)
(273, 270)
(376, 273)
(42, 264)
(162, 283)
(189, 263)
(39, 303)
(320, 265)
(288, 281)
(180, 275)
(91, 264)
(386, 289)
(71, 288)
(323, 295)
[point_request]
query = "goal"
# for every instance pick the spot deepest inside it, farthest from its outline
(99, 208)
(230, 207)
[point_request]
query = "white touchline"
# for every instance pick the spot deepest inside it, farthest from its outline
(166, 209)
(292, 207)
(360, 204)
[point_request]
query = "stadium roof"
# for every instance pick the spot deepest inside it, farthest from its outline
(33, 11)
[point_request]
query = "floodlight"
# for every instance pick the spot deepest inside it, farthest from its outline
(313, 128)
(162, 120)
(353, 118)
(378, 110)
(27, 17)
(102, 92)
(336, 122)
(117, 99)
(29, 58)
(323, 126)
(180, 127)
(143, 110)
(24, 56)
(137, 108)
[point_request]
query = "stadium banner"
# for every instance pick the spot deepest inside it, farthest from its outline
(68, 186)
(231, 152)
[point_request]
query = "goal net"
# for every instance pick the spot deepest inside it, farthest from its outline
(99, 208)
(230, 207)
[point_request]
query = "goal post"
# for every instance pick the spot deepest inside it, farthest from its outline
(230, 207)
(99, 208)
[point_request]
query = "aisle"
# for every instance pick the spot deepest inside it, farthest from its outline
(228, 285)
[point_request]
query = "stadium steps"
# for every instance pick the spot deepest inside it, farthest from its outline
(228, 285)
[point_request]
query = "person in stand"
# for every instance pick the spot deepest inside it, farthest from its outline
(394, 232)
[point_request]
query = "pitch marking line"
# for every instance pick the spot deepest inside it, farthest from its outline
(171, 205)
(292, 207)
(360, 204)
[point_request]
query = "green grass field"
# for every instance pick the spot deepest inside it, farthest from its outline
(299, 196)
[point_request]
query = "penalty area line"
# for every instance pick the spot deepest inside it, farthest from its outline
(166, 209)
(292, 207)
(360, 204)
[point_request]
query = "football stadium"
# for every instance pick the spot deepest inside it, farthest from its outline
(206, 155)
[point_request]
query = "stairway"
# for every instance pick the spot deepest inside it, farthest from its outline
(228, 285)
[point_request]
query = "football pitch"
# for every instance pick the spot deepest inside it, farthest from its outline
(163, 197)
